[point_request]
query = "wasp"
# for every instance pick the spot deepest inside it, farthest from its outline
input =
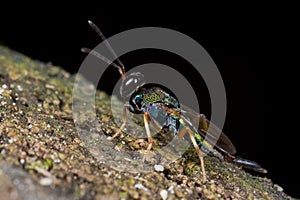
(158, 104)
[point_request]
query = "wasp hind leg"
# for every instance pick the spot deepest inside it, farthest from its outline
(181, 134)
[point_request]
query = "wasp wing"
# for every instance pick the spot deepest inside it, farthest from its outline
(210, 132)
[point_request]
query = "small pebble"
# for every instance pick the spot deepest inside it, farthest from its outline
(46, 181)
(158, 168)
(109, 138)
(171, 189)
(278, 188)
(164, 194)
(140, 186)
(19, 88)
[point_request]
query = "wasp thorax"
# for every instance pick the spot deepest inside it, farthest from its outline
(131, 83)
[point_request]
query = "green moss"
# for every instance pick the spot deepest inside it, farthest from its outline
(123, 195)
(77, 192)
(46, 164)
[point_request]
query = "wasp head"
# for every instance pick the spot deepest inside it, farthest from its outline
(131, 83)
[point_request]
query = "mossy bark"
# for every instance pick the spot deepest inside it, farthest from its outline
(42, 154)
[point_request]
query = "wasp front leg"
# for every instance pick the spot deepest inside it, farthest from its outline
(124, 119)
(147, 119)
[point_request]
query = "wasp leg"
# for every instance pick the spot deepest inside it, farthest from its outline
(146, 122)
(199, 153)
(154, 124)
(124, 119)
(182, 132)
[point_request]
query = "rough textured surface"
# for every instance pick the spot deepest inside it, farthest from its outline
(43, 156)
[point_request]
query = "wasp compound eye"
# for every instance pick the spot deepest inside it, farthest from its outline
(131, 83)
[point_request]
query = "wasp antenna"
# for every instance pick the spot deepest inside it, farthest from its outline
(108, 46)
(100, 56)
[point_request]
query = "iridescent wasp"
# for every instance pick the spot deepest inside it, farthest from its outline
(157, 103)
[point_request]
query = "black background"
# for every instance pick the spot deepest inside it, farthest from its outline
(238, 42)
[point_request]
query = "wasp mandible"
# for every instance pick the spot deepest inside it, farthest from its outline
(157, 103)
